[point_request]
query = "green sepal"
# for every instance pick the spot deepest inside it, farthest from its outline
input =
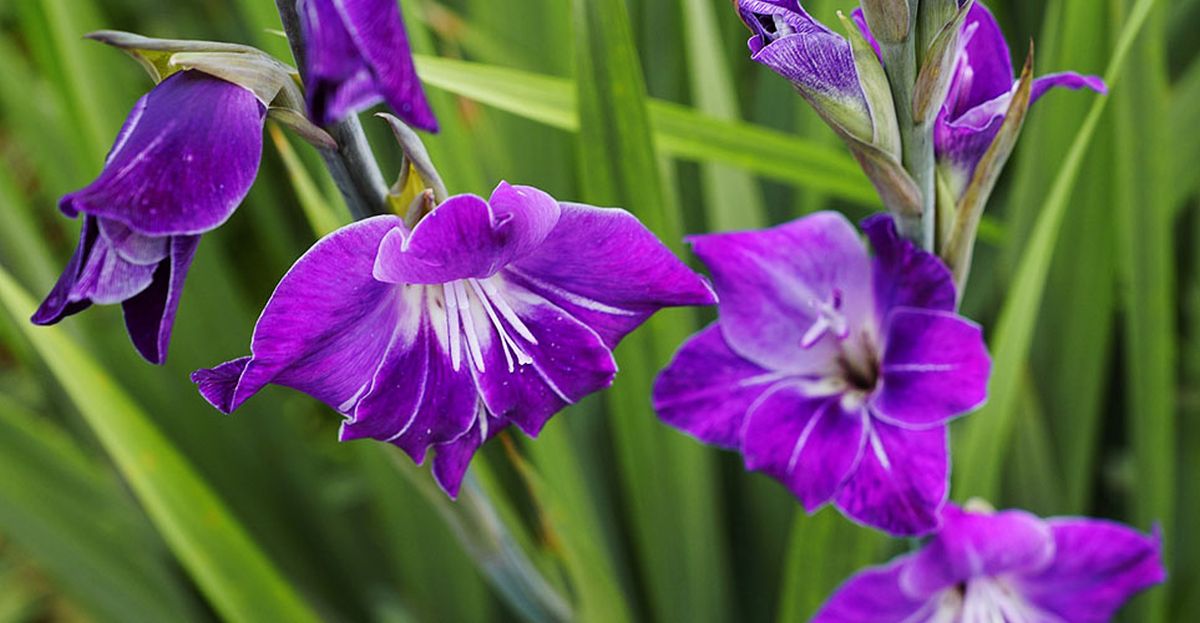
(937, 72)
(885, 129)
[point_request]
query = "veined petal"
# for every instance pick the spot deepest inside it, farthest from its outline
(131, 246)
(901, 482)
(821, 67)
(935, 367)
(106, 278)
(467, 237)
(606, 269)
(325, 329)
(418, 396)
(809, 444)
(707, 389)
(536, 358)
(150, 315)
(874, 596)
(904, 275)
(359, 54)
(1098, 566)
(789, 294)
(977, 545)
(183, 162)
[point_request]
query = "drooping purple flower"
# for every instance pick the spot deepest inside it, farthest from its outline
(358, 55)
(486, 313)
(831, 372)
(1005, 566)
(185, 158)
(817, 61)
(980, 92)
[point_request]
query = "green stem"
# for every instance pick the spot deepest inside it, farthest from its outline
(900, 64)
(352, 164)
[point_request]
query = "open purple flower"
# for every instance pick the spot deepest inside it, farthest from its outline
(486, 313)
(185, 158)
(1006, 566)
(831, 372)
(357, 56)
(817, 61)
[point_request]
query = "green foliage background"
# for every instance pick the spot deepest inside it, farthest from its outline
(124, 497)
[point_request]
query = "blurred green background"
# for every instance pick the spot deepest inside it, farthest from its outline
(125, 497)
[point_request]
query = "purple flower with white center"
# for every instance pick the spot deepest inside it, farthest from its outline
(1005, 566)
(833, 372)
(486, 313)
(357, 56)
(817, 61)
(185, 158)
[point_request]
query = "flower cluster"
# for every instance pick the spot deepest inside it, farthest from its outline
(834, 366)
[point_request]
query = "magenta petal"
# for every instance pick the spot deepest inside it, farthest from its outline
(901, 482)
(536, 358)
(974, 545)
(1099, 565)
(708, 389)
(451, 459)
(774, 284)
(809, 444)
(467, 237)
(358, 53)
(419, 395)
(326, 327)
(903, 274)
(1066, 80)
(609, 271)
(185, 159)
(150, 315)
(874, 596)
(985, 69)
(935, 367)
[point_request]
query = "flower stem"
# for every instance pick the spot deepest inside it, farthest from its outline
(901, 65)
(352, 164)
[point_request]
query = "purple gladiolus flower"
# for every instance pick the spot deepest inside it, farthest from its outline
(357, 56)
(185, 158)
(486, 313)
(817, 61)
(832, 372)
(1006, 566)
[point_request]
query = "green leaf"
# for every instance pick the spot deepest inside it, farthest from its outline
(666, 475)
(985, 436)
(227, 565)
(824, 549)
(74, 519)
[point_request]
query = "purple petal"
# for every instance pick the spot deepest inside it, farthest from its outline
(185, 159)
(325, 329)
(609, 271)
(874, 596)
(358, 53)
(935, 367)
(809, 444)
(131, 246)
(451, 459)
(106, 278)
(973, 545)
(536, 357)
(1099, 565)
(707, 389)
(821, 66)
(903, 274)
(59, 303)
(789, 294)
(761, 16)
(419, 395)
(150, 315)
(985, 69)
(467, 237)
(901, 482)
(860, 20)
(1066, 80)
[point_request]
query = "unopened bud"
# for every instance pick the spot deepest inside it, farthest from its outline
(889, 20)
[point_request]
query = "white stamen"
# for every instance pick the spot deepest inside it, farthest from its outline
(453, 327)
(468, 320)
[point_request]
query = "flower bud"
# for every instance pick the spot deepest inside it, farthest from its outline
(889, 20)
(418, 177)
